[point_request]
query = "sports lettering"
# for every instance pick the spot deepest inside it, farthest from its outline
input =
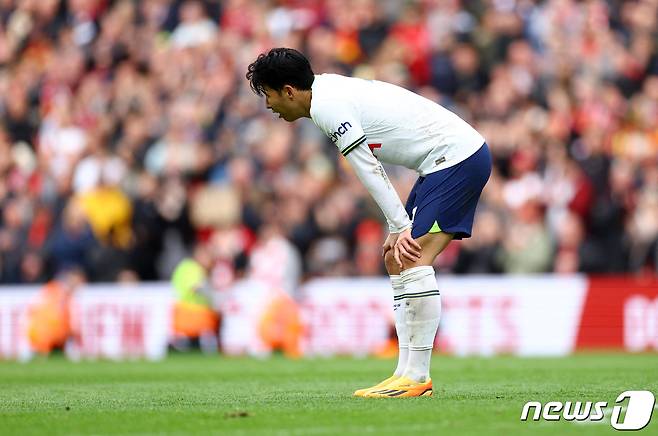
(340, 131)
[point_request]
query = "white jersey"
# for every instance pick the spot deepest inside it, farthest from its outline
(372, 121)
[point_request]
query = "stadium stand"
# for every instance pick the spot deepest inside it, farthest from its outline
(129, 135)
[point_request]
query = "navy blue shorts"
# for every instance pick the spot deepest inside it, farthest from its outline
(445, 201)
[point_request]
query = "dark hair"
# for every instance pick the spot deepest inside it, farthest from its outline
(279, 67)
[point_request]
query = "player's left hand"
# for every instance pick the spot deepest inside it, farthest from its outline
(389, 244)
(406, 247)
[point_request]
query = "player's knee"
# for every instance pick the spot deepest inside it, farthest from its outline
(407, 264)
(391, 265)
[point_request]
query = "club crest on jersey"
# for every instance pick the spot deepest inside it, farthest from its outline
(340, 131)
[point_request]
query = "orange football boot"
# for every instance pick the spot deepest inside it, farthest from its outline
(403, 387)
(378, 386)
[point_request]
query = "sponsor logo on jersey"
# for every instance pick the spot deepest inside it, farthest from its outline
(342, 129)
(374, 146)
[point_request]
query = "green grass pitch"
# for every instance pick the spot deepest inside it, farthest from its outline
(195, 394)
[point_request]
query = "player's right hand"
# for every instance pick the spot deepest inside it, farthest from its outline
(406, 247)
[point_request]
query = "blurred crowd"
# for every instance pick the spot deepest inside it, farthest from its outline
(129, 137)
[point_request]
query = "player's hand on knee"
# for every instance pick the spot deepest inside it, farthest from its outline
(389, 244)
(406, 248)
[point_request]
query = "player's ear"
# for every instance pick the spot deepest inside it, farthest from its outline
(288, 91)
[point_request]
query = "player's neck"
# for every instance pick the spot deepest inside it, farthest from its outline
(305, 101)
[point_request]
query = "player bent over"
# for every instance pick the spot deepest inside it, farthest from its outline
(372, 122)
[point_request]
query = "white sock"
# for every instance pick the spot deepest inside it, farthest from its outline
(400, 324)
(423, 312)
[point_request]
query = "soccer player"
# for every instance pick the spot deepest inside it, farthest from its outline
(372, 122)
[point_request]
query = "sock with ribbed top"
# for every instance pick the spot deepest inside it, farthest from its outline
(422, 307)
(399, 313)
